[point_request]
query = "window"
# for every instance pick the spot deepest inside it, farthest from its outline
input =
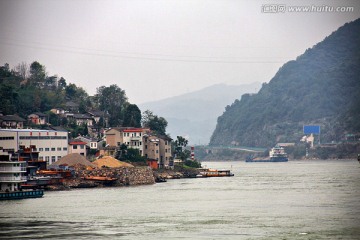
(41, 158)
(64, 148)
(52, 149)
(41, 149)
(59, 148)
(47, 149)
(58, 157)
(74, 147)
(166, 150)
(47, 158)
(53, 159)
(157, 151)
(82, 146)
(6, 138)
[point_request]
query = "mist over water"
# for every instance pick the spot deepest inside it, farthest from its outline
(293, 200)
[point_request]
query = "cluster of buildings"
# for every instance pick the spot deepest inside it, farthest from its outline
(20, 138)
(43, 147)
(155, 148)
(91, 119)
(52, 145)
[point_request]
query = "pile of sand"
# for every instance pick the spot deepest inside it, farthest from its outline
(72, 160)
(110, 162)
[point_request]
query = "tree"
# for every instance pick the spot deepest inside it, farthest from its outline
(37, 74)
(132, 116)
(179, 144)
(9, 96)
(50, 82)
(155, 123)
(112, 100)
(129, 154)
(62, 83)
(70, 91)
(22, 70)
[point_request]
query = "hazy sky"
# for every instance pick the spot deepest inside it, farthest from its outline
(155, 49)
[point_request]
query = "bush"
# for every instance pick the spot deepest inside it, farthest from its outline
(192, 163)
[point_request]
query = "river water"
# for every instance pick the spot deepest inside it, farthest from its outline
(293, 200)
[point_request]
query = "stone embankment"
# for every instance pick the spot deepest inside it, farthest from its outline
(120, 177)
(177, 172)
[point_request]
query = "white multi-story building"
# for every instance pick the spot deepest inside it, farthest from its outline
(11, 173)
(51, 145)
(133, 138)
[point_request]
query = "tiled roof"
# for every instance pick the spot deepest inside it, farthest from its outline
(13, 118)
(77, 143)
(39, 114)
(82, 116)
(134, 130)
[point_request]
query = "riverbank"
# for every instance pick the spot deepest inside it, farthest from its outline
(84, 177)
(106, 177)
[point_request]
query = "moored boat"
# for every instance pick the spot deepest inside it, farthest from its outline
(12, 177)
(21, 194)
(214, 173)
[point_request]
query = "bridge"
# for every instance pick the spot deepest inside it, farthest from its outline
(235, 148)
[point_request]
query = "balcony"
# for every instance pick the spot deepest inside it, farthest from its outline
(12, 169)
(136, 138)
(13, 179)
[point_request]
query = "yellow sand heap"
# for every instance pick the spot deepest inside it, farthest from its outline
(111, 162)
(72, 160)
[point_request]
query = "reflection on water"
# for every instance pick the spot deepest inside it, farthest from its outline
(294, 200)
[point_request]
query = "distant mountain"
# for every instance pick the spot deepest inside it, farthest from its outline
(194, 114)
(322, 86)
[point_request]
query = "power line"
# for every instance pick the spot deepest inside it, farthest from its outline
(131, 55)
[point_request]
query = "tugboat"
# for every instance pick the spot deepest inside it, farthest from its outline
(276, 154)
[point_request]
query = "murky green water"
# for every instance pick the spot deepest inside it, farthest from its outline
(293, 200)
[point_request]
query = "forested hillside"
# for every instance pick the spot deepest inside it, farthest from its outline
(322, 86)
(25, 89)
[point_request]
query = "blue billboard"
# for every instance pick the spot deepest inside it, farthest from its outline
(311, 129)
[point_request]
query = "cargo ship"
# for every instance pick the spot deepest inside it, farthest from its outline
(276, 154)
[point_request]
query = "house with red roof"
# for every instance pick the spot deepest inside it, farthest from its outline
(77, 146)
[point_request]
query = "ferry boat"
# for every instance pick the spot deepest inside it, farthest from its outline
(214, 173)
(276, 154)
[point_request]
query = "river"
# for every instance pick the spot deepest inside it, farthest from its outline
(293, 200)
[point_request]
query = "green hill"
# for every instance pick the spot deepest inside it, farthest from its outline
(322, 86)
